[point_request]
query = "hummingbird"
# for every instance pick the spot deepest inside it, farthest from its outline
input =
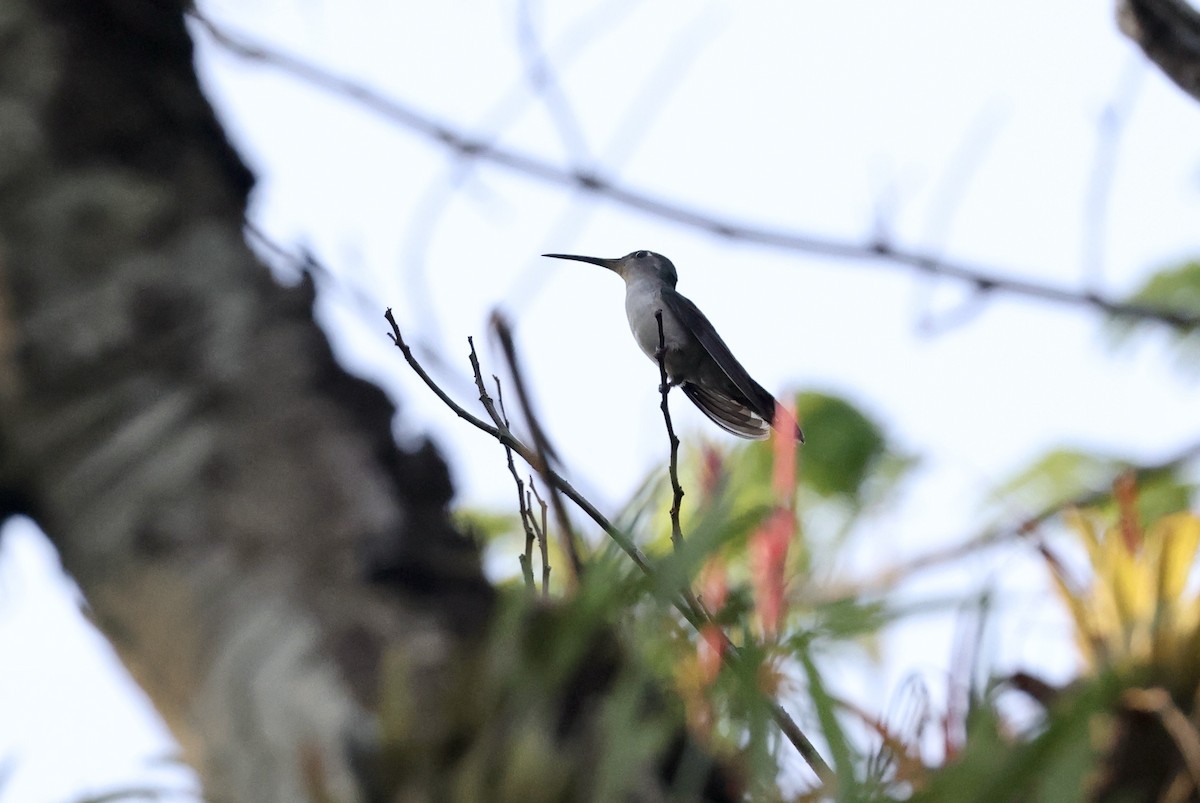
(696, 358)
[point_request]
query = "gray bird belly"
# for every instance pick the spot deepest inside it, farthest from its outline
(681, 346)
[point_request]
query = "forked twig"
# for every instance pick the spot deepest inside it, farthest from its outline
(541, 444)
(526, 557)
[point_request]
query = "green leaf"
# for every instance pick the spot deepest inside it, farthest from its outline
(844, 447)
(844, 452)
(1063, 476)
(844, 759)
(1057, 477)
(1054, 765)
(1176, 290)
(486, 525)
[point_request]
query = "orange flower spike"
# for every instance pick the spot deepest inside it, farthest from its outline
(769, 546)
(710, 650)
(713, 582)
(784, 478)
(714, 589)
(712, 470)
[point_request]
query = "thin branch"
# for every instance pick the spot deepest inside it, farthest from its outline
(1097, 199)
(665, 388)
(430, 208)
(545, 85)
(695, 615)
(541, 443)
(506, 438)
(933, 324)
(674, 61)
(542, 545)
(526, 558)
(880, 250)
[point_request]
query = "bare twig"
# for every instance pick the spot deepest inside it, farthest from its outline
(526, 557)
(541, 444)
(695, 615)
(542, 545)
(506, 438)
(880, 250)
(665, 388)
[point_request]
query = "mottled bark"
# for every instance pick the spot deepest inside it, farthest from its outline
(1169, 32)
(230, 501)
(279, 577)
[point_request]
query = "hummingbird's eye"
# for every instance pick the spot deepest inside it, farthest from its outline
(640, 254)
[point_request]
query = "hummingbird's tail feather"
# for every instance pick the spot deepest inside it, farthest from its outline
(730, 414)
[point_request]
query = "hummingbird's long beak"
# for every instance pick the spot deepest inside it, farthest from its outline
(611, 264)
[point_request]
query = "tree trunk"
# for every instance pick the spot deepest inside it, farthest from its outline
(1169, 33)
(229, 500)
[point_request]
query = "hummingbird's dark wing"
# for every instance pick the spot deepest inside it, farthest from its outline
(727, 413)
(746, 411)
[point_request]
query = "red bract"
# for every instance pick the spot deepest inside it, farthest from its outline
(769, 546)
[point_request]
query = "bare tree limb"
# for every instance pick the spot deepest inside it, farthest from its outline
(881, 250)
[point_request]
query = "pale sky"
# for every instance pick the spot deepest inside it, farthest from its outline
(966, 128)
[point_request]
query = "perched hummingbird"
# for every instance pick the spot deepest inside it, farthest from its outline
(696, 358)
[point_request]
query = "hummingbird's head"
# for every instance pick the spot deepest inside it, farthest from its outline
(633, 265)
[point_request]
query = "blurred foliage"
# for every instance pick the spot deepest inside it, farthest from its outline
(846, 456)
(1068, 476)
(1135, 610)
(1056, 764)
(487, 526)
(1129, 728)
(552, 707)
(1175, 289)
(847, 468)
(1103, 737)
